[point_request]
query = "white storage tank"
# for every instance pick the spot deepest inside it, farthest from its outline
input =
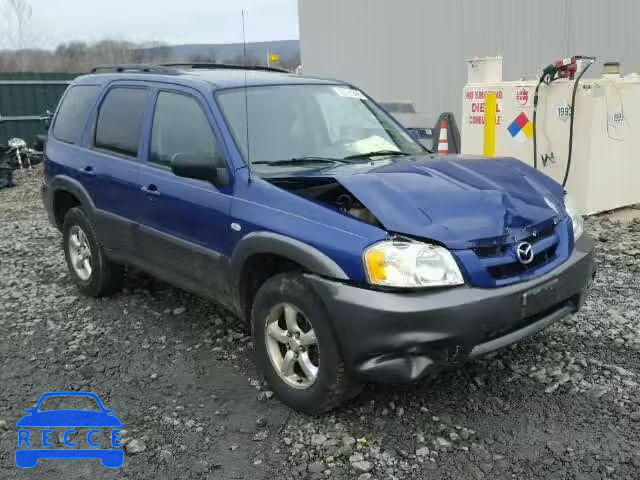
(605, 165)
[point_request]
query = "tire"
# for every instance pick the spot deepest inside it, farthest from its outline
(331, 385)
(103, 276)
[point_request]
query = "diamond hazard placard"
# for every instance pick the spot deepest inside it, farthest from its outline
(521, 129)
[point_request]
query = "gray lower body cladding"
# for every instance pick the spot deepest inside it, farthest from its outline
(388, 337)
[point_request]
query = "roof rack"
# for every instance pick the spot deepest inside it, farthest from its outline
(174, 68)
(135, 68)
(224, 66)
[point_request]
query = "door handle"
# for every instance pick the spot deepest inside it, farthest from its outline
(151, 189)
(88, 170)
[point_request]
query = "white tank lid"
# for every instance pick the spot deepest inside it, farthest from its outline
(484, 70)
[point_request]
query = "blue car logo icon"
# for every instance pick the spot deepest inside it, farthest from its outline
(73, 423)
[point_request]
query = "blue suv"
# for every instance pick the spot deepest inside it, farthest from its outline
(354, 254)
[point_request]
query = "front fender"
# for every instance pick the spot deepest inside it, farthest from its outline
(303, 254)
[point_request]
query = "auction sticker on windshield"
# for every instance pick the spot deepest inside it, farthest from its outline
(57, 428)
(350, 92)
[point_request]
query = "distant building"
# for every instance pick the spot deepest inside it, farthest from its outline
(415, 50)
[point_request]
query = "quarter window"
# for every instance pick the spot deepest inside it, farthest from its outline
(180, 126)
(120, 120)
(73, 113)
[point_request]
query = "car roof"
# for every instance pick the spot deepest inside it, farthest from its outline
(218, 78)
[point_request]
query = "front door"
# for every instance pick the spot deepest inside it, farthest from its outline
(185, 230)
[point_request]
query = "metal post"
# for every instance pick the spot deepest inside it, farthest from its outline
(490, 107)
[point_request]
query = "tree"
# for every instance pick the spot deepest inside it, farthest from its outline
(17, 14)
(201, 58)
(71, 57)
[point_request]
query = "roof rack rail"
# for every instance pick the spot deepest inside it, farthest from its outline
(224, 66)
(135, 68)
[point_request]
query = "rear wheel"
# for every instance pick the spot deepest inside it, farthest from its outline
(93, 273)
(295, 346)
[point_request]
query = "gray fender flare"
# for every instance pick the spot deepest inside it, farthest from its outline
(268, 242)
(68, 184)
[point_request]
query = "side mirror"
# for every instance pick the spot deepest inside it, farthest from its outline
(200, 167)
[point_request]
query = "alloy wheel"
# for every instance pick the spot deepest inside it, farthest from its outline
(292, 346)
(80, 253)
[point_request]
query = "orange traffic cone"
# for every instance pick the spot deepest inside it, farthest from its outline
(443, 141)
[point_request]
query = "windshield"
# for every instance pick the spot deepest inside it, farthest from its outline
(298, 121)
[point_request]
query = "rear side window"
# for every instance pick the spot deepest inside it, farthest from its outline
(73, 113)
(120, 120)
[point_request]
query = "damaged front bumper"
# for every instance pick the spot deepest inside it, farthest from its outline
(388, 337)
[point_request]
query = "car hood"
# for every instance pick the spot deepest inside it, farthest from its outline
(69, 418)
(459, 201)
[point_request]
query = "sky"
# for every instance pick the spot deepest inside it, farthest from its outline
(170, 21)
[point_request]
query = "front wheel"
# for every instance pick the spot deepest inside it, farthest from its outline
(295, 347)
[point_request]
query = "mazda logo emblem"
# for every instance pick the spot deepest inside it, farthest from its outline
(524, 252)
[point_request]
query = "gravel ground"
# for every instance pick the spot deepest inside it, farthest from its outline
(177, 370)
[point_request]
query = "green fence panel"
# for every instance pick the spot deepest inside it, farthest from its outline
(24, 98)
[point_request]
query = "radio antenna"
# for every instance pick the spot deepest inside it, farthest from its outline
(246, 95)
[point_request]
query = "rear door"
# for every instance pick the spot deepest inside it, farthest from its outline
(112, 167)
(185, 229)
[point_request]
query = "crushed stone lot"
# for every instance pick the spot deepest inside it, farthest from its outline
(177, 369)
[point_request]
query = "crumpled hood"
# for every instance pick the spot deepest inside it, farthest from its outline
(459, 201)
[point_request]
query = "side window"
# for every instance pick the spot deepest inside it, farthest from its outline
(73, 113)
(120, 120)
(181, 126)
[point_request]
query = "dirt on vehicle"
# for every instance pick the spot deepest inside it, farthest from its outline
(177, 371)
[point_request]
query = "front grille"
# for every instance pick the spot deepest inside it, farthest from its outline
(484, 252)
(516, 268)
(502, 263)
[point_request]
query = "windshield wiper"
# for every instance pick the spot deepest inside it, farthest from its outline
(377, 153)
(293, 161)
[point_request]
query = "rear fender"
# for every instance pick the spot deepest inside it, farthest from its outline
(72, 186)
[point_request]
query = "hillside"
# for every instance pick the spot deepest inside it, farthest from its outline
(288, 50)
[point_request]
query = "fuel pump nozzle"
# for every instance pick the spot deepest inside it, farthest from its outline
(565, 68)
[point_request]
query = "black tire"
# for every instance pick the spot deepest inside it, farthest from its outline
(106, 277)
(333, 385)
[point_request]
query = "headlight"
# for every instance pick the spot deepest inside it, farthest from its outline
(403, 263)
(574, 214)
